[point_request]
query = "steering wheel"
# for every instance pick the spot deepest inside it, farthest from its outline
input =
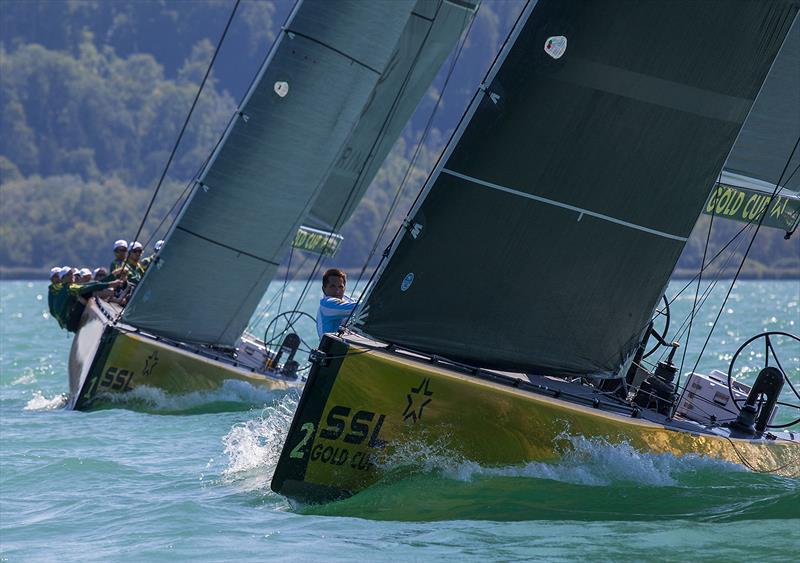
(769, 351)
(663, 334)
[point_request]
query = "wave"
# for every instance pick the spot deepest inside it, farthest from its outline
(253, 447)
(41, 403)
(257, 444)
(583, 461)
(26, 379)
(593, 480)
(232, 395)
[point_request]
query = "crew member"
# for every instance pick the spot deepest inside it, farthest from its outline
(85, 275)
(134, 268)
(120, 252)
(52, 289)
(146, 261)
(335, 306)
(69, 302)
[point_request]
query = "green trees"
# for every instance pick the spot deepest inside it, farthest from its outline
(67, 220)
(93, 94)
(98, 114)
(85, 138)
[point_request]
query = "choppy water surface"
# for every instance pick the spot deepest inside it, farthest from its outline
(188, 477)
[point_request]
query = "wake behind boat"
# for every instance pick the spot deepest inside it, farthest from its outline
(574, 179)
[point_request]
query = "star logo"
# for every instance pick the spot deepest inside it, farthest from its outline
(417, 398)
(150, 363)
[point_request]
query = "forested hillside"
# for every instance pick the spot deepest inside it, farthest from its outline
(93, 94)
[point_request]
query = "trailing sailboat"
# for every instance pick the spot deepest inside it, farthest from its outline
(573, 181)
(328, 103)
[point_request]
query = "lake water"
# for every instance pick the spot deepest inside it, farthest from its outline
(188, 477)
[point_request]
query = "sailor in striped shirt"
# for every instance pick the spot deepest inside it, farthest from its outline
(335, 307)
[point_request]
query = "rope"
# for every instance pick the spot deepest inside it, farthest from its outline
(746, 252)
(186, 121)
(706, 294)
(750, 467)
(697, 290)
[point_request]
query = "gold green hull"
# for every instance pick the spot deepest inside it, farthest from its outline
(108, 360)
(363, 407)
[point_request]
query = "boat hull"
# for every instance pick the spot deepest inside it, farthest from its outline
(108, 360)
(363, 410)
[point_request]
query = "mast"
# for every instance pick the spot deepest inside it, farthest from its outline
(550, 227)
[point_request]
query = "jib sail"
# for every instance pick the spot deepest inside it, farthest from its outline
(322, 79)
(550, 227)
(765, 144)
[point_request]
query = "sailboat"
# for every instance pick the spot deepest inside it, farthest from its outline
(572, 182)
(333, 95)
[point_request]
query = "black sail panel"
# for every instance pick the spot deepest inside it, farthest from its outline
(551, 227)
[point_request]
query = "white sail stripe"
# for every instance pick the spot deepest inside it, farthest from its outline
(564, 206)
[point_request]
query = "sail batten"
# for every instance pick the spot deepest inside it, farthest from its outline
(562, 205)
(599, 154)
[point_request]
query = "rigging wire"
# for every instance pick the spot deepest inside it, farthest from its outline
(697, 289)
(413, 162)
(717, 255)
(706, 294)
(189, 185)
(680, 331)
(746, 252)
(186, 121)
(340, 218)
(441, 156)
(280, 300)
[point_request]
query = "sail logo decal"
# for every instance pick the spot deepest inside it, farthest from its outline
(418, 398)
(555, 46)
(316, 241)
(407, 281)
(281, 88)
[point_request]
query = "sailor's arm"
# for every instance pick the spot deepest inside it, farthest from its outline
(90, 287)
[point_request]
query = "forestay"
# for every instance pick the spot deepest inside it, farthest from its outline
(549, 229)
(226, 246)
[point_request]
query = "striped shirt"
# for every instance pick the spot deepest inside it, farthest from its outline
(333, 312)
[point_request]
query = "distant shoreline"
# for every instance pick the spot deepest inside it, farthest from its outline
(41, 274)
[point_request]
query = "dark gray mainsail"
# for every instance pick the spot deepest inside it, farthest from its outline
(322, 80)
(550, 227)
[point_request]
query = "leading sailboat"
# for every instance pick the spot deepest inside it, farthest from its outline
(320, 117)
(573, 183)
